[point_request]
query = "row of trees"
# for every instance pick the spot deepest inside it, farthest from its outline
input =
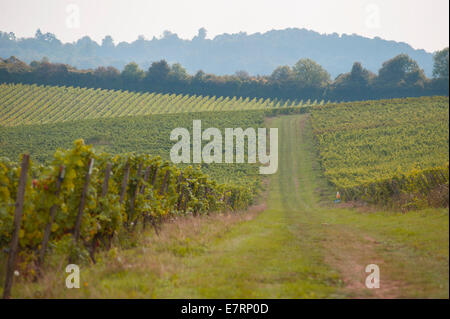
(400, 76)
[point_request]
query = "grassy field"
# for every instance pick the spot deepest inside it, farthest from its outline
(296, 245)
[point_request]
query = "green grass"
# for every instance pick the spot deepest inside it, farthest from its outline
(300, 246)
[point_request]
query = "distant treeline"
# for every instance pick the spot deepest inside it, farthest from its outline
(224, 54)
(398, 77)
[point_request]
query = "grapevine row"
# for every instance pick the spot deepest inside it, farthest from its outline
(33, 104)
(377, 151)
(413, 188)
(84, 199)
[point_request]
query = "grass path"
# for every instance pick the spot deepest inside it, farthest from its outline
(300, 246)
(297, 248)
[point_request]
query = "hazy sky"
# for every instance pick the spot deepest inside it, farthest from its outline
(423, 24)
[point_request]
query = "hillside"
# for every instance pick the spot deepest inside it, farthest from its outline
(362, 145)
(379, 150)
(139, 134)
(297, 245)
(384, 156)
(224, 159)
(32, 104)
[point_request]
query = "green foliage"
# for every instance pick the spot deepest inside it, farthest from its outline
(131, 72)
(401, 71)
(440, 67)
(311, 74)
(141, 134)
(163, 192)
(380, 149)
(282, 74)
(358, 78)
(122, 140)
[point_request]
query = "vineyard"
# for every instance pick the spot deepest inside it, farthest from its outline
(70, 202)
(32, 104)
(380, 150)
(139, 134)
(126, 188)
(83, 199)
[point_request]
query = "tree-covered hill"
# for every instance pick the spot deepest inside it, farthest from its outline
(258, 53)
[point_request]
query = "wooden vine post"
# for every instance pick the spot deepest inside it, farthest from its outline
(105, 187)
(146, 177)
(142, 190)
(197, 196)
(136, 191)
(124, 182)
(18, 211)
(180, 190)
(163, 188)
(186, 198)
(76, 233)
(48, 227)
(106, 179)
(155, 173)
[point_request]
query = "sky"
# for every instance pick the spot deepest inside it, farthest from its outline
(424, 24)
